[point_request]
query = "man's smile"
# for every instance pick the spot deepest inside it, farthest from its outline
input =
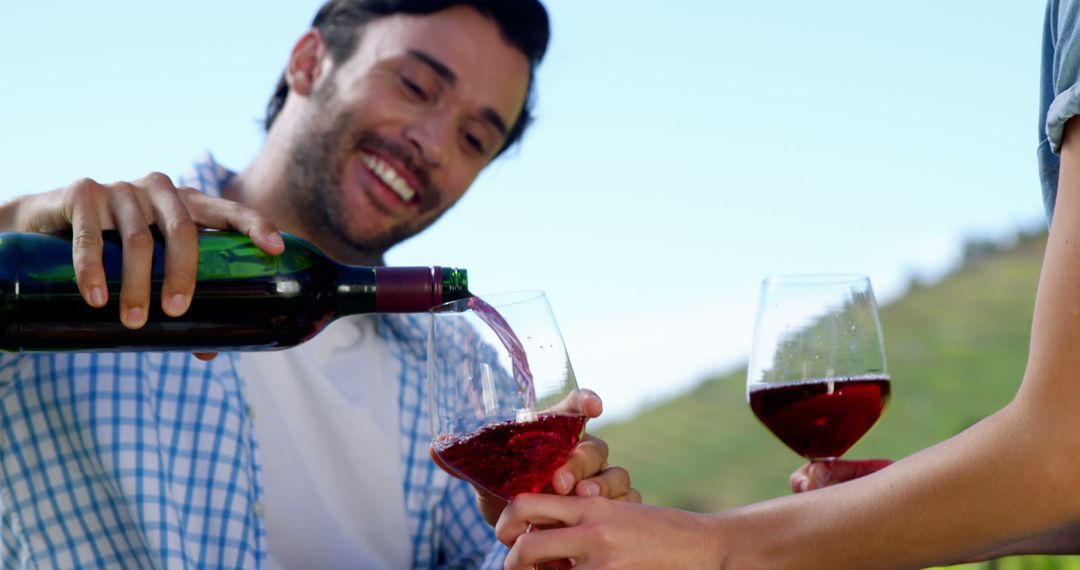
(397, 180)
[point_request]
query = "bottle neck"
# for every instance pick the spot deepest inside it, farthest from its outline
(399, 289)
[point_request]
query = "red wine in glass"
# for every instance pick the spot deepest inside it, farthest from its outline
(512, 457)
(817, 376)
(821, 418)
(504, 401)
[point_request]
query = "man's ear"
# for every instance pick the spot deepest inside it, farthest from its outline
(305, 62)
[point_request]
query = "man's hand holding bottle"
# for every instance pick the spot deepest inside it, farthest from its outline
(87, 208)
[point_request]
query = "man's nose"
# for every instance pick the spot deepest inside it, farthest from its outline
(431, 135)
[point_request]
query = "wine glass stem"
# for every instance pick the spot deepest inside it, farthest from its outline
(827, 462)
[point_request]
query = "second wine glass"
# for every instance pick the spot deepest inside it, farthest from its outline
(505, 408)
(817, 377)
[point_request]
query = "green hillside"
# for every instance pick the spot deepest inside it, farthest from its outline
(956, 352)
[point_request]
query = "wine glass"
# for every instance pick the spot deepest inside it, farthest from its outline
(817, 376)
(505, 408)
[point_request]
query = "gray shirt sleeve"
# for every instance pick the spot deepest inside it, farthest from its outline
(1059, 99)
(1062, 41)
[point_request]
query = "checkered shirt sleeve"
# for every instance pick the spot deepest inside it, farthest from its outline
(125, 461)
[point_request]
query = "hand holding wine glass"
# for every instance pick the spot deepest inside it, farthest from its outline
(507, 414)
(817, 377)
(811, 476)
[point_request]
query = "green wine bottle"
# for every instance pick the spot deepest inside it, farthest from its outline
(244, 299)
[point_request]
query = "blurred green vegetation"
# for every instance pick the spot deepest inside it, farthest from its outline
(956, 352)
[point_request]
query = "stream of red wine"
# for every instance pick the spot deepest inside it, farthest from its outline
(520, 362)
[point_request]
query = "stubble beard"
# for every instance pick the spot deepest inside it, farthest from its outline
(313, 184)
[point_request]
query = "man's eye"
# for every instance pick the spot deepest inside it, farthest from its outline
(414, 88)
(475, 143)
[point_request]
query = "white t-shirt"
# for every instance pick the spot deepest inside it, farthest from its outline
(326, 421)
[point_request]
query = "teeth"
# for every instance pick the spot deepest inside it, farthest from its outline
(389, 176)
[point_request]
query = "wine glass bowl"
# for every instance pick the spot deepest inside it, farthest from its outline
(817, 377)
(505, 407)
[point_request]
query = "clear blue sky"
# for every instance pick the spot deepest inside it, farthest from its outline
(684, 150)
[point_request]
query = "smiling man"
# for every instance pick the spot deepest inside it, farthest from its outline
(311, 457)
(398, 131)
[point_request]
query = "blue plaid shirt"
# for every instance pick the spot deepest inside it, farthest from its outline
(149, 460)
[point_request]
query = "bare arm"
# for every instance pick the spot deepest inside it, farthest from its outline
(1065, 540)
(1012, 476)
(818, 475)
(1006, 485)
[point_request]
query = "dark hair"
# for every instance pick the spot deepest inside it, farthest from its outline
(523, 23)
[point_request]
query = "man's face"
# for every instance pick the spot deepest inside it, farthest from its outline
(394, 135)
